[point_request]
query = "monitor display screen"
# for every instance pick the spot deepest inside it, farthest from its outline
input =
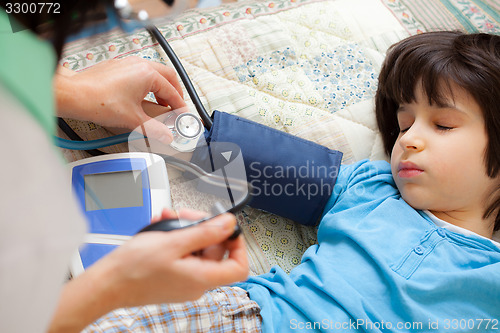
(113, 190)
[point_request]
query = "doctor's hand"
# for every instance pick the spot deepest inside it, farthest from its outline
(154, 267)
(112, 93)
(175, 266)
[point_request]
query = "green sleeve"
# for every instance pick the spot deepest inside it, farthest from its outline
(27, 66)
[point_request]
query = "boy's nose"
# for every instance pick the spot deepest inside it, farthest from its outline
(412, 140)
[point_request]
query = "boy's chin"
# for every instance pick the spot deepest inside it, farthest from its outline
(415, 200)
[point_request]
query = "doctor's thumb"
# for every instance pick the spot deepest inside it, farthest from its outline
(212, 232)
(154, 129)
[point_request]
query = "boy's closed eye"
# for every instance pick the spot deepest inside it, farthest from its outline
(441, 119)
(405, 120)
(444, 128)
(404, 129)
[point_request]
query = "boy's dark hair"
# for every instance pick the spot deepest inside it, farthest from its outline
(436, 60)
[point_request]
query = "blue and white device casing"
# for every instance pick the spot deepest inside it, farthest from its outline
(119, 194)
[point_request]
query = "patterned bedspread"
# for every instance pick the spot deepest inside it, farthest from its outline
(306, 67)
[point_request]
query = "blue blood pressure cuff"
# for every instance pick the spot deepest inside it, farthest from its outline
(290, 176)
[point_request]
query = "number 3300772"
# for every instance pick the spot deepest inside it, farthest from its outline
(33, 8)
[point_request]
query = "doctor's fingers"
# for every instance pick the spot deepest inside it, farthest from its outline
(214, 231)
(233, 268)
(183, 213)
(169, 74)
(146, 76)
(166, 87)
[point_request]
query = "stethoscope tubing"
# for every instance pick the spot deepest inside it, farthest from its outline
(188, 84)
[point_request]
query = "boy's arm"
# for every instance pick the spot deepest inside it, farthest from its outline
(291, 177)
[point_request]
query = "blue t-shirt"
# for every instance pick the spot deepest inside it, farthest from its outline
(381, 266)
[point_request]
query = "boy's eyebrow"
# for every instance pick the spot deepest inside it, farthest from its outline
(402, 108)
(452, 106)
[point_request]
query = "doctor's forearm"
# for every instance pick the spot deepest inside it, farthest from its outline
(83, 300)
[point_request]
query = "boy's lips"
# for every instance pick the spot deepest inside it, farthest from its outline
(408, 170)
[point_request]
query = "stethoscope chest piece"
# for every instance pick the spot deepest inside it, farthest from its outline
(186, 128)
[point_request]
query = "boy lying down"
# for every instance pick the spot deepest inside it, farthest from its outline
(405, 246)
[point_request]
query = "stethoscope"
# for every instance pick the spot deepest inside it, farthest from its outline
(185, 127)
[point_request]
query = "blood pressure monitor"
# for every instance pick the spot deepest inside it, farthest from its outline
(119, 194)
